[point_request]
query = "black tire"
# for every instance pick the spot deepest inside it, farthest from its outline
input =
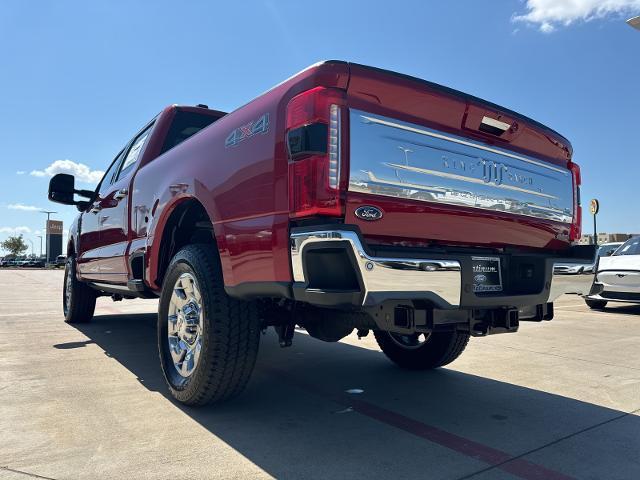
(230, 335)
(596, 304)
(439, 349)
(78, 299)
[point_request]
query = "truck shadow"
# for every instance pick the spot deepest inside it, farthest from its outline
(294, 420)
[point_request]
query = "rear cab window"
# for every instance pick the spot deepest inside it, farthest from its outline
(186, 124)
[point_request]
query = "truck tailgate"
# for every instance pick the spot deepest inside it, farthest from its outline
(448, 168)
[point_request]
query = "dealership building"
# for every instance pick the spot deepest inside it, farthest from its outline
(605, 238)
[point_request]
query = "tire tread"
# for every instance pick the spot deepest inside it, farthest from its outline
(83, 298)
(234, 336)
(596, 304)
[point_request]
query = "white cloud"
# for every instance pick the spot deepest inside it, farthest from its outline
(79, 170)
(15, 230)
(24, 208)
(546, 27)
(548, 15)
(20, 172)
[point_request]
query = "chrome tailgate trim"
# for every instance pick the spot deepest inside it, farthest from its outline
(398, 159)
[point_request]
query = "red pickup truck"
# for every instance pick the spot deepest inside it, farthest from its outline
(345, 198)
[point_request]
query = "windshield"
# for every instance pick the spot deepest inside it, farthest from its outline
(605, 250)
(630, 247)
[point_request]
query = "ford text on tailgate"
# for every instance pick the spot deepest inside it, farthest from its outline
(345, 199)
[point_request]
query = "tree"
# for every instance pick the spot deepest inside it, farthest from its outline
(14, 245)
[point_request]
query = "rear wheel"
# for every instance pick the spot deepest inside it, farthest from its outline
(78, 299)
(422, 351)
(596, 304)
(208, 342)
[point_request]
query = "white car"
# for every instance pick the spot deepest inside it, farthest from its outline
(570, 268)
(578, 268)
(617, 277)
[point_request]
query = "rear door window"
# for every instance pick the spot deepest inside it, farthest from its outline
(134, 153)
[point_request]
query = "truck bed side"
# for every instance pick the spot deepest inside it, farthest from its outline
(241, 182)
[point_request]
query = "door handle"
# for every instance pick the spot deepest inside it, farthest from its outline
(120, 194)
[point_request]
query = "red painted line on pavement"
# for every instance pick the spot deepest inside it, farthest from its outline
(497, 458)
(502, 460)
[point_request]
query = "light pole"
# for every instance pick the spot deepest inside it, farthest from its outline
(594, 208)
(40, 237)
(634, 22)
(48, 213)
(31, 242)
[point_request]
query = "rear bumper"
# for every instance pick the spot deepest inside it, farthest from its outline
(378, 278)
(334, 267)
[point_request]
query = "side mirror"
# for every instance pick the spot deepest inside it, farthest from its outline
(62, 188)
(609, 253)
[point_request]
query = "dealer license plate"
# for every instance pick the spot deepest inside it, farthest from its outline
(486, 274)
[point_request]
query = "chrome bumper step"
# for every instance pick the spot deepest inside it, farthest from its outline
(436, 279)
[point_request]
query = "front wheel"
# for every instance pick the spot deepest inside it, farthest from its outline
(208, 342)
(422, 351)
(596, 304)
(78, 299)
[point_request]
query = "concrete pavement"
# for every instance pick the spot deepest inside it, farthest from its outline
(558, 399)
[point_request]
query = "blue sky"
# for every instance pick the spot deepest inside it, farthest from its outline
(79, 78)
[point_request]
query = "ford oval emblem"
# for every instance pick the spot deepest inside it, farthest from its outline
(368, 213)
(480, 278)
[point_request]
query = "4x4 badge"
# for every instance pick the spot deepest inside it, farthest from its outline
(261, 125)
(368, 213)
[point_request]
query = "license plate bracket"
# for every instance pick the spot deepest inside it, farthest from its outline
(487, 274)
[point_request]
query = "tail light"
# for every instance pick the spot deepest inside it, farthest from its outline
(314, 141)
(576, 225)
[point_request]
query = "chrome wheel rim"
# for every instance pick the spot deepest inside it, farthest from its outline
(411, 341)
(184, 332)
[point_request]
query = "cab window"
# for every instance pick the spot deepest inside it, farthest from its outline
(134, 153)
(107, 179)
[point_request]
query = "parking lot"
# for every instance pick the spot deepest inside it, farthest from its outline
(557, 400)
